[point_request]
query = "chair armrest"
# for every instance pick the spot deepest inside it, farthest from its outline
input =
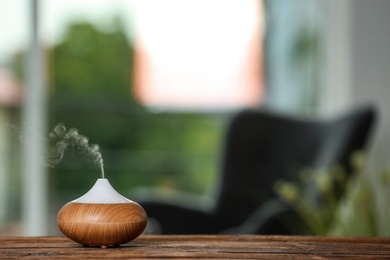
(273, 217)
(173, 212)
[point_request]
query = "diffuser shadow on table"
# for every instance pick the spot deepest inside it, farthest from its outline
(261, 148)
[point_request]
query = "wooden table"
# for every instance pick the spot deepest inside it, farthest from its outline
(201, 246)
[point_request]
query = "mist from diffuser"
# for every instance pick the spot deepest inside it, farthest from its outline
(64, 139)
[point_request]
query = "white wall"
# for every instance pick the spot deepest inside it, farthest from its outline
(370, 67)
(357, 64)
(337, 88)
(370, 79)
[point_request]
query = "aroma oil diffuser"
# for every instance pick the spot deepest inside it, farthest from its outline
(102, 217)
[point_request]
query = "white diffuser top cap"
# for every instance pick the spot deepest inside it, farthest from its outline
(102, 192)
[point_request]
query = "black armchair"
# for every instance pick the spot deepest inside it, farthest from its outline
(260, 148)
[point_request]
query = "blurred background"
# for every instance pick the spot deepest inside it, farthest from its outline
(155, 82)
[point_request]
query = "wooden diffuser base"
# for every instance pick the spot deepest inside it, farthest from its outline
(94, 224)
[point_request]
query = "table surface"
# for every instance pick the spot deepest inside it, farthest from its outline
(202, 247)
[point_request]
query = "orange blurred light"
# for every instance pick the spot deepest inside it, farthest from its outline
(198, 54)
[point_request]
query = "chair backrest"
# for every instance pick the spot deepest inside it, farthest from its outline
(262, 147)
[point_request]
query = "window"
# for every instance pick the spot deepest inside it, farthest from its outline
(105, 79)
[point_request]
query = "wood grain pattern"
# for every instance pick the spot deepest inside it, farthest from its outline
(202, 247)
(102, 224)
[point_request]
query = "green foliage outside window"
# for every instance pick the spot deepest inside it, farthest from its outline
(90, 75)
